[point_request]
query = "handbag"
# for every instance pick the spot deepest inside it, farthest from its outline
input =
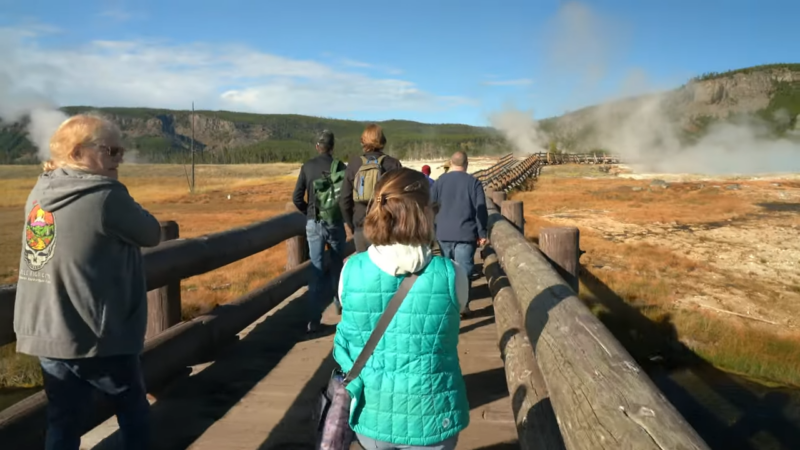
(333, 409)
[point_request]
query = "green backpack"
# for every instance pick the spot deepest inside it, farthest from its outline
(326, 192)
(366, 178)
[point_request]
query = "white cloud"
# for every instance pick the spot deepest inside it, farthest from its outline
(517, 82)
(119, 11)
(215, 76)
(348, 62)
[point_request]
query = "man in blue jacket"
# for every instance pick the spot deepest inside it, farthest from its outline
(462, 217)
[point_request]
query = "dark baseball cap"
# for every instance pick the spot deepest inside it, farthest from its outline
(325, 139)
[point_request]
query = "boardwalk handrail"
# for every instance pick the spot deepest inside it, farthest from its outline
(600, 395)
(183, 258)
(22, 425)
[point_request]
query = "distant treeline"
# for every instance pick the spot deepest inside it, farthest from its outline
(287, 137)
(746, 70)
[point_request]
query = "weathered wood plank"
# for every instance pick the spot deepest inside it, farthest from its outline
(601, 397)
(561, 246)
(532, 412)
(164, 303)
(296, 247)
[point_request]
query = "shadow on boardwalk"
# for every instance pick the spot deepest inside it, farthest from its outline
(727, 411)
(190, 405)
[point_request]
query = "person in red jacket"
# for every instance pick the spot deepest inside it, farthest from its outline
(426, 169)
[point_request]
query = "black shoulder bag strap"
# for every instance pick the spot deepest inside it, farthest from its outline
(380, 328)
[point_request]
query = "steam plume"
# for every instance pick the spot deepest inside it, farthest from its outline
(521, 130)
(647, 129)
(43, 118)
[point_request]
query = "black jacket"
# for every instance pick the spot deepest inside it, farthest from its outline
(310, 171)
(354, 212)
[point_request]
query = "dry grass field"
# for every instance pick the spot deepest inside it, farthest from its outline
(257, 192)
(715, 260)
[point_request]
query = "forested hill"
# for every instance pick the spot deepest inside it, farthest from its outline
(767, 95)
(164, 136)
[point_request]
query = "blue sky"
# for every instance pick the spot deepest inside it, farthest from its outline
(431, 61)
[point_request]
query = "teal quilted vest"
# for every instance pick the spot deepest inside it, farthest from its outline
(411, 391)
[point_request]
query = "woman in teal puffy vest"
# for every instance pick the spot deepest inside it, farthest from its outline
(411, 393)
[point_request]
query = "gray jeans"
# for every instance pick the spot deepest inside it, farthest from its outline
(372, 444)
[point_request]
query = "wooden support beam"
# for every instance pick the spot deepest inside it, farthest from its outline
(561, 245)
(513, 210)
(498, 197)
(296, 247)
(164, 303)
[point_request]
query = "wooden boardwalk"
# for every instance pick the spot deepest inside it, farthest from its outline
(258, 392)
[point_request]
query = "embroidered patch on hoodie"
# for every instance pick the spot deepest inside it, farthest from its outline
(40, 237)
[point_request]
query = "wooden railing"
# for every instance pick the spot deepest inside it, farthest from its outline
(178, 345)
(498, 166)
(549, 158)
(573, 385)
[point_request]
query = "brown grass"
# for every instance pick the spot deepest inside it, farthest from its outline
(256, 193)
(650, 279)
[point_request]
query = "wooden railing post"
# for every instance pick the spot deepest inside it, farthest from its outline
(498, 197)
(513, 211)
(489, 195)
(164, 303)
(562, 246)
(296, 247)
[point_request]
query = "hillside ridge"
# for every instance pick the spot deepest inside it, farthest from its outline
(769, 93)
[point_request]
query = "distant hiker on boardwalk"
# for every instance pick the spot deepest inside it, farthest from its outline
(410, 393)
(81, 303)
(319, 178)
(462, 218)
(426, 169)
(359, 184)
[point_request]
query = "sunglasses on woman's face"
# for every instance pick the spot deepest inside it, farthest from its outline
(112, 151)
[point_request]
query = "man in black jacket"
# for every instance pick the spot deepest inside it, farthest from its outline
(319, 233)
(354, 212)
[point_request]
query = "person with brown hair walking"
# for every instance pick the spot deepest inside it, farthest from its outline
(363, 172)
(410, 393)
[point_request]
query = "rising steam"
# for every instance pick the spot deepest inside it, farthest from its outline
(521, 130)
(646, 130)
(43, 118)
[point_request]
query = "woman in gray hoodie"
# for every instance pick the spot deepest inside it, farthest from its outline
(81, 303)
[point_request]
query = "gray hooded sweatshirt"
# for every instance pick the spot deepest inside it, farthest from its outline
(81, 289)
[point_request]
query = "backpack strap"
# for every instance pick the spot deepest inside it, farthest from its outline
(334, 165)
(380, 327)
